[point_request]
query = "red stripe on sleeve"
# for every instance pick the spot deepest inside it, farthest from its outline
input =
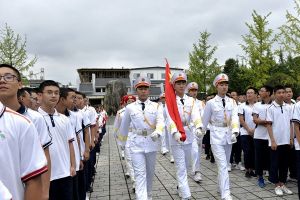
(34, 174)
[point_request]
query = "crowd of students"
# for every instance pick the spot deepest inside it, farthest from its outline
(49, 137)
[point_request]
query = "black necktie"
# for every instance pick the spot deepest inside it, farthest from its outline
(143, 106)
(182, 101)
(223, 101)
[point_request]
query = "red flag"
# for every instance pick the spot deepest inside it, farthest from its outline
(171, 103)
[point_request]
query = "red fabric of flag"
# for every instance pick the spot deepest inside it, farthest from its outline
(171, 103)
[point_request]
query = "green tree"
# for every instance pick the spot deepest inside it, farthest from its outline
(203, 66)
(257, 46)
(13, 50)
(290, 31)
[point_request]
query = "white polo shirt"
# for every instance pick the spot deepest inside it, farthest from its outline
(76, 126)
(260, 109)
(246, 110)
(4, 192)
(280, 116)
(62, 133)
(21, 154)
(39, 124)
(85, 123)
(296, 119)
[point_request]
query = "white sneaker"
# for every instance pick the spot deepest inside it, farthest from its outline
(123, 155)
(229, 197)
(179, 192)
(266, 173)
(241, 167)
(286, 190)
(278, 191)
(172, 159)
(127, 175)
(229, 167)
(197, 177)
(164, 151)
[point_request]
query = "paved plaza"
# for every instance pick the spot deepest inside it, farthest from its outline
(110, 182)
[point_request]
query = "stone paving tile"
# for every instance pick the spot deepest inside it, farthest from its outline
(110, 182)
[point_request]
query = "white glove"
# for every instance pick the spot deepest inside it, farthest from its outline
(177, 137)
(154, 136)
(233, 137)
(199, 132)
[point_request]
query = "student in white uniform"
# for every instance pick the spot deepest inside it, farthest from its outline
(192, 89)
(279, 116)
(21, 164)
(127, 99)
(61, 151)
(261, 137)
(4, 192)
(245, 111)
(147, 122)
(221, 113)
(296, 120)
(65, 106)
(10, 99)
(191, 121)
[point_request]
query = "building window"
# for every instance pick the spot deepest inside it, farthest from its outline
(163, 76)
(150, 75)
(136, 75)
(103, 89)
(98, 89)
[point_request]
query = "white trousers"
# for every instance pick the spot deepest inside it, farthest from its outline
(182, 157)
(164, 141)
(128, 161)
(222, 157)
(196, 155)
(144, 168)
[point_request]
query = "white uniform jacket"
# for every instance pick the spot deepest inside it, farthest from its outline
(190, 118)
(143, 124)
(222, 121)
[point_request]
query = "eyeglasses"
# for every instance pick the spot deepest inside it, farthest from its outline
(50, 93)
(8, 77)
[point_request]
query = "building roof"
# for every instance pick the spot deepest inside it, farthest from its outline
(124, 68)
(154, 67)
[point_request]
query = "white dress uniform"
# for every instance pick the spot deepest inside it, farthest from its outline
(164, 137)
(190, 118)
(223, 121)
(197, 142)
(143, 149)
(21, 153)
(128, 160)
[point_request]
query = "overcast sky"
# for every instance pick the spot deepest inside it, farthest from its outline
(70, 34)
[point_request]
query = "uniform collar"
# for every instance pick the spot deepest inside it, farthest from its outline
(262, 102)
(45, 113)
(22, 109)
(184, 97)
(277, 105)
(218, 98)
(2, 109)
(146, 102)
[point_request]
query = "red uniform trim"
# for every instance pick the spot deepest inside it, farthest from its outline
(16, 113)
(34, 174)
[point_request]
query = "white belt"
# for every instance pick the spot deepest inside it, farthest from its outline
(219, 124)
(143, 132)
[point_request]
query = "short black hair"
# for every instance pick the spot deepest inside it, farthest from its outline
(79, 93)
(268, 89)
(28, 89)
(64, 92)
(47, 83)
(13, 68)
(278, 87)
(252, 88)
(83, 95)
(21, 92)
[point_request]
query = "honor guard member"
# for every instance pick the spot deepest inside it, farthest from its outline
(222, 114)
(21, 164)
(190, 118)
(127, 99)
(147, 122)
(296, 121)
(192, 89)
(164, 136)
